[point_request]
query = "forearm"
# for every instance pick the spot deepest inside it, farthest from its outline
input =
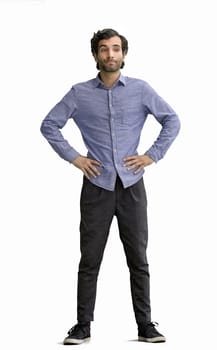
(167, 118)
(57, 141)
(168, 133)
(54, 122)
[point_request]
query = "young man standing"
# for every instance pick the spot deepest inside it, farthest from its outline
(110, 112)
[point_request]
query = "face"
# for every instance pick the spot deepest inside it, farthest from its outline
(110, 55)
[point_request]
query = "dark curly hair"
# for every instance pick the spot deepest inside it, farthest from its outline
(107, 34)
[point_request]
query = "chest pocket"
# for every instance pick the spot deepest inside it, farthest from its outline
(129, 116)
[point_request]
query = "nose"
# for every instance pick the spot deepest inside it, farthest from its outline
(111, 53)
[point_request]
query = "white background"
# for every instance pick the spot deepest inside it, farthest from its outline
(45, 48)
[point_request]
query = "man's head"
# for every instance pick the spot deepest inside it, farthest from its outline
(109, 49)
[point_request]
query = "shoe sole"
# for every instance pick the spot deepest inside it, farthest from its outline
(153, 340)
(71, 341)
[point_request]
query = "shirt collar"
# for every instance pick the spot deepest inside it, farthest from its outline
(97, 82)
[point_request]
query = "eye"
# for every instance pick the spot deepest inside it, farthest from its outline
(103, 49)
(116, 49)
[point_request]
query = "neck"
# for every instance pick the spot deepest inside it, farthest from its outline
(109, 78)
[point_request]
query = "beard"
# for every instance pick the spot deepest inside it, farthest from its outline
(110, 65)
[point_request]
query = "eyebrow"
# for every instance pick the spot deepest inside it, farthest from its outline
(104, 45)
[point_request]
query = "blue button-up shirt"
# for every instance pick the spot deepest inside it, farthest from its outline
(110, 121)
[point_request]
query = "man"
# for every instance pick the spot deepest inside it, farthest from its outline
(110, 112)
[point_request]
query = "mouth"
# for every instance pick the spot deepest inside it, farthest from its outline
(110, 61)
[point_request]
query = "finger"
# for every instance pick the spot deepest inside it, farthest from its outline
(134, 163)
(129, 158)
(90, 172)
(86, 174)
(132, 166)
(96, 172)
(130, 162)
(93, 171)
(93, 161)
(139, 169)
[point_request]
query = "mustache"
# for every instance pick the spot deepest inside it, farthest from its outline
(110, 60)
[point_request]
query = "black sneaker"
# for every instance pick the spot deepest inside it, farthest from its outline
(148, 333)
(78, 334)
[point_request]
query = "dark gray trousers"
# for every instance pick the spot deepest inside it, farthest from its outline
(98, 207)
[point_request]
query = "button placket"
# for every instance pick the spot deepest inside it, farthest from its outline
(113, 131)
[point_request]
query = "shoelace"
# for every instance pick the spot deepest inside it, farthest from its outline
(149, 324)
(74, 328)
(153, 324)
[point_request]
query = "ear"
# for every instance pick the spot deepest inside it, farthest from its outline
(124, 56)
